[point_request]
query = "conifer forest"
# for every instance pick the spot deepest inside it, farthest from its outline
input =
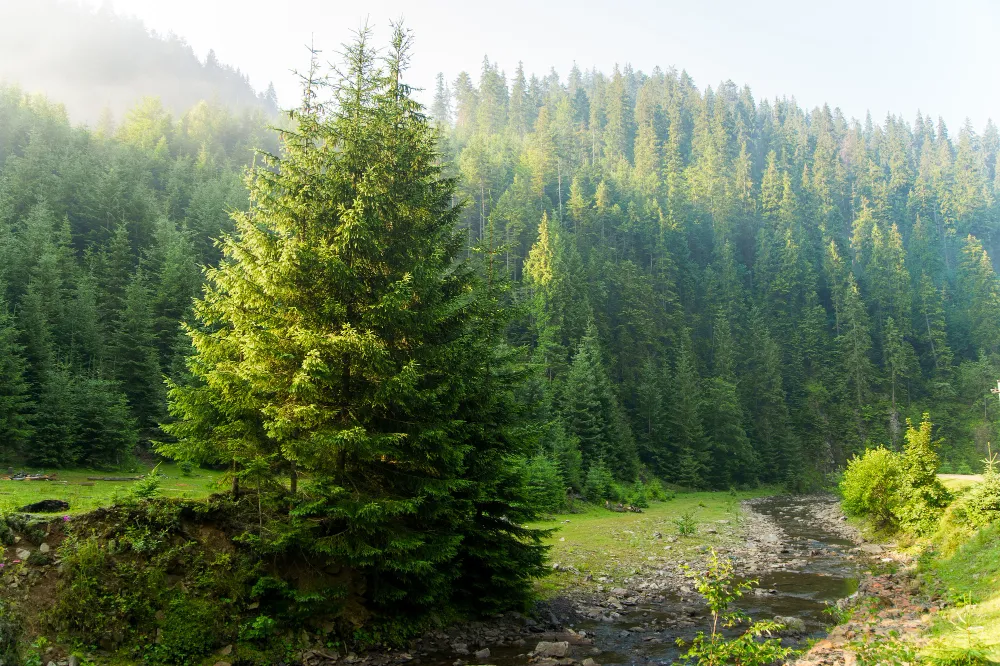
(402, 336)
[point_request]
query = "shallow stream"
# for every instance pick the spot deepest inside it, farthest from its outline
(811, 569)
(792, 546)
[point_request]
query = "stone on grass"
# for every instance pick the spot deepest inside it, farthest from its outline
(23, 553)
(552, 649)
(44, 548)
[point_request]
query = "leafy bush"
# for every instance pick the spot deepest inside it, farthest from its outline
(544, 484)
(599, 484)
(188, 632)
(718, 586)
(871, 484)
(898, 490)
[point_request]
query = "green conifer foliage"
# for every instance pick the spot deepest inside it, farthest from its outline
(14, 397)
(342, 336)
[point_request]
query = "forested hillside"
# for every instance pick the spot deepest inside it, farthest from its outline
(102, 235)
(728, 290)
(100, 62)
(713, 290)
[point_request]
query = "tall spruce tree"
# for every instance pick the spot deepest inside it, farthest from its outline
(342, 335)
(14, 398)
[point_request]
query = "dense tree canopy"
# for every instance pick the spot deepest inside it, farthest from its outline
(712, 289)
(102, 235)
(731, 291)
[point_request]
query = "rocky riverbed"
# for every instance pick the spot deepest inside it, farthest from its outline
(800, 549)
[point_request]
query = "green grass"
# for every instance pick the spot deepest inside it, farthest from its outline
(72, 486)
(617, 545)
(968, 578)
(957, 483)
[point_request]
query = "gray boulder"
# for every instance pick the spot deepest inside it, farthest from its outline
(793, 625)
(552, 649)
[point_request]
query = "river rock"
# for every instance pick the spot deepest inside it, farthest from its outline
(318, 658)
(590, 662)
(792, 624)
(482, 654)
(552, 649)
(460, 648)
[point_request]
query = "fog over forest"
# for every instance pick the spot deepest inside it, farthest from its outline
(96, 60)
(318, 387)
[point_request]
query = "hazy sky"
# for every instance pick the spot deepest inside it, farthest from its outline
(858, 55)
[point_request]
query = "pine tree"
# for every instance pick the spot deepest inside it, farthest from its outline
(651, 424)
(582, 410)
(105, 432)
(731, 456)
(937, 356)
(55, 424)
(981, 296)
(348, 340)
(688, 457)
(441, 111)
(15, 430)
(137, 366)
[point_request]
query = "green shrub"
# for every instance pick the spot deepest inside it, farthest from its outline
(686, 524)
(599, 484)
(100, 595)
(871, 485)
(637, 495)
(922, 498)
(187, 632)
(719, 587)
(11, 629)
(544, 485)
(979, 506)
(656, 492)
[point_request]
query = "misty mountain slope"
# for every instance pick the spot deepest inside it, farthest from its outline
(92, 60)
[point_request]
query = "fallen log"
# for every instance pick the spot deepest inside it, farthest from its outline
(113, 478)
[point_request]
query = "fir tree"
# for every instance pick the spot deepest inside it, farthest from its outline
(15, 429)
(347, 339)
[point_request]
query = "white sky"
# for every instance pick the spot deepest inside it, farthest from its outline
(855, 54)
